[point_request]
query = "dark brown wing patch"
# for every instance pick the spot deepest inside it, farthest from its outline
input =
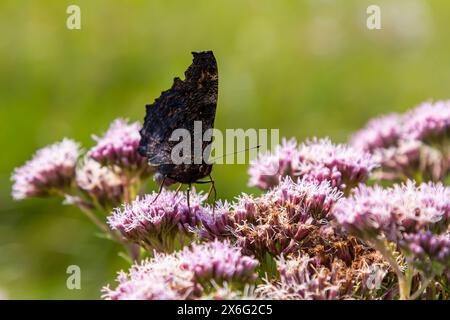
(189, 100)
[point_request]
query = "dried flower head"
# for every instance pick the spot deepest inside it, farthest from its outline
(100, 183)
(158, 224)
(51, 169)
(379, 133)
(300, 280)
(275, 223)
(316, 198)
(118, 147)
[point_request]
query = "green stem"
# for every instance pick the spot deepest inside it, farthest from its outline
(418, 177)
(404, 280)
(130, 247)
(102, 226)
(87, 208)
(405, 285)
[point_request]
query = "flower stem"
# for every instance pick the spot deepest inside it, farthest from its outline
(102, 226)
(404, 280)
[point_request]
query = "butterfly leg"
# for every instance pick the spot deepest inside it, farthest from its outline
(187, 198)
(160, 189)
(211, 189)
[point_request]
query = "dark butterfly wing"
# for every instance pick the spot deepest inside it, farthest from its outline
(189, 100)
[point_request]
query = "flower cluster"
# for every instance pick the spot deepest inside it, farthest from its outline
(275, 223)
(316, 160)
(430, 253)
(381, 132)
(428, 122)
(52, 169)
(407, 219)
(340, 164)
(158, 278)
(111, 173)
(217, 222)
(101, 184)
(315, 198)
(392, 212)
(158, 221)
(266, 170)
(219, 261)
(299, 280)
(118, 148)
(410, 145)
(225, 291)
(186, 274)
(317, 232)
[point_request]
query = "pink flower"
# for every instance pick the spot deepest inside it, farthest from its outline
(100, 183)
(158, 278)
(219, 261)
(184, 274)
(218, 222)
(158, 224)
(340, 164)
(381, 132)
(316, 160)
(428, 121)
(316, 198)
(429, 252)
(51, 169)
(392, 212)
(266, 170)
(118, 147)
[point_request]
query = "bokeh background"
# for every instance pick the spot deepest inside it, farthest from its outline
(309, 68)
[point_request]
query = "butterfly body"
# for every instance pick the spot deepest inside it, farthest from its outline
(186, 102)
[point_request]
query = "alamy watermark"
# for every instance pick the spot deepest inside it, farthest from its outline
(73, 21)
(228, 148)
(373, 21)
(73, 281)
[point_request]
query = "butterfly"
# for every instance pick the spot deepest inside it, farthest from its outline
(187, 101)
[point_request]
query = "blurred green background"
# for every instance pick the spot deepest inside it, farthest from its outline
(309, 68)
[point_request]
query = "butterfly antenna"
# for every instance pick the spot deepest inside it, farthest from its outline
(236, 152)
